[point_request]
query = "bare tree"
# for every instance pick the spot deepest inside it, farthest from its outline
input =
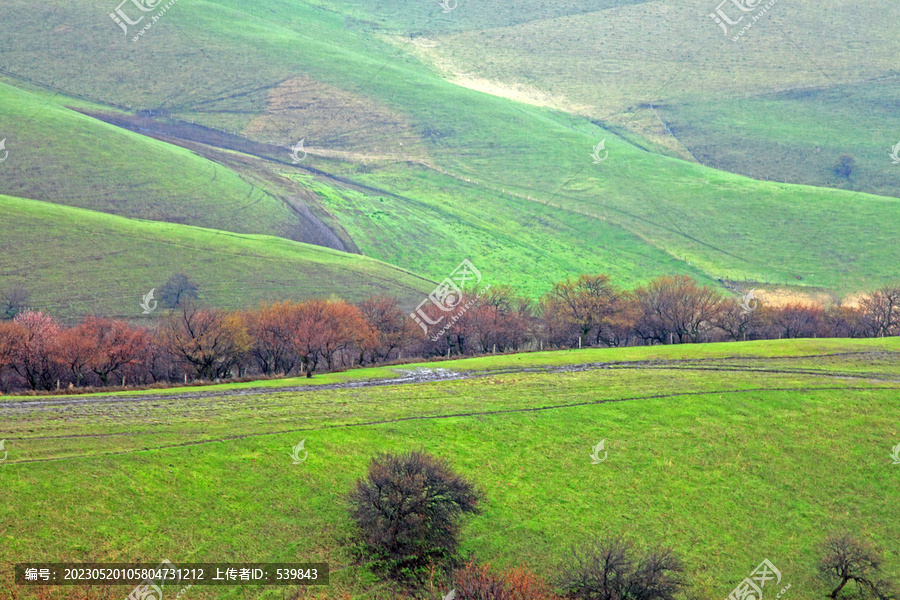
(676, 307)
(847, 560)
(736, 321)
(881, 311)
(611, 570)
(795, 320)
(211, 342)
(586, 303)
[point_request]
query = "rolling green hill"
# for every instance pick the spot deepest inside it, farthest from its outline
(421, 172)
(78, 262)
(730, 453)
(806, 84)
(59, 155)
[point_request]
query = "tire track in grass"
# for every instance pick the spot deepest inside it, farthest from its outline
(438, 374)
(454, 416)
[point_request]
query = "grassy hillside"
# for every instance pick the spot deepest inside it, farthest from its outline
(835, 64)
(59, 155)
(799, 136)
(79, 262)
(372, 115)
(773, 445)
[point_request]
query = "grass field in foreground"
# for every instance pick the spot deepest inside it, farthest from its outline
(729, 466)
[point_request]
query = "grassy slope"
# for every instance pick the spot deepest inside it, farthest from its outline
(728, 226)
(78, 262)
(754, 463)
(511, 240)
(799, 136)
(842, 47)
(59, 155)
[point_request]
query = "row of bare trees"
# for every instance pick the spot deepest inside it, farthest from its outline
(192, 342)
(592, 310)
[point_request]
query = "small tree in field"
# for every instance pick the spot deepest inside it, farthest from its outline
(844, 167)
(408, 509)
(178, 290)
(611, 570)
(851, 568)
(13, 301)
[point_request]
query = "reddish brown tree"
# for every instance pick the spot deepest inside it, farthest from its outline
(324, 328)
(481, 582)
(587, 303)
(845, 322)
(210, 342)
(12, 336)
(676, 308)
(272, 330)
(36, 358)
(76, 352)
(794, 320)
(393, 329)
(502, 320)
(116, 345)
(736, 320)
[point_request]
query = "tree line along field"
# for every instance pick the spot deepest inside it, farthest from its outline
(192, 342)
(729, 453)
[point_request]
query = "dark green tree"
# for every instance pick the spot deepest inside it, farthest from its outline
(178, 290)
(408, 510)
(844, 166)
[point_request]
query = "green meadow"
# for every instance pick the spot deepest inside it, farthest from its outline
(730, 453)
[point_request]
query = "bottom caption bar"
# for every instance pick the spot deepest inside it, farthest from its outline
(156, 577)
